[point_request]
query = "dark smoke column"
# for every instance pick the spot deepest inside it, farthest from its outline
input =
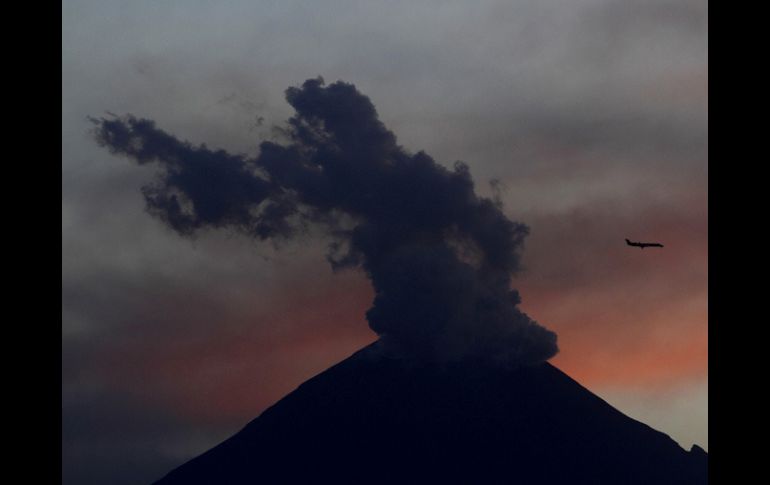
(440, 258)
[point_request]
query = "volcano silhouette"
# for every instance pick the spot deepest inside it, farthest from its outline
(374, 418)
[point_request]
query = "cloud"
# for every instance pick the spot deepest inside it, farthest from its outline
(440, 258)
(623, 317)
(108, 437)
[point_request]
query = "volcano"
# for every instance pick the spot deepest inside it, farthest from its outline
(377, 418)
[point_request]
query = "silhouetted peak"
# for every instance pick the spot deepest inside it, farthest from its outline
(377, 417)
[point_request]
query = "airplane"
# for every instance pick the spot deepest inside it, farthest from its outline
(643, 245)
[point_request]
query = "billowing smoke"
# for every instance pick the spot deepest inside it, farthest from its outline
(440, 258)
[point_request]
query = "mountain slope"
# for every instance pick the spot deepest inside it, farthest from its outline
(376, 419)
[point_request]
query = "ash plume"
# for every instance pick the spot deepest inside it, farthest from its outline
(440, 258)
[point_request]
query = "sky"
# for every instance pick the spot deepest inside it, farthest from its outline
(591, 114)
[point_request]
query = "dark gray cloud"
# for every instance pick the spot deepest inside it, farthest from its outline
(439, 257)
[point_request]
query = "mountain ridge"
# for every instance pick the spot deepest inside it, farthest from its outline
(378, 418)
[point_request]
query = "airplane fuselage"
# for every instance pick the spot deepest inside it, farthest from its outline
(643, 245)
